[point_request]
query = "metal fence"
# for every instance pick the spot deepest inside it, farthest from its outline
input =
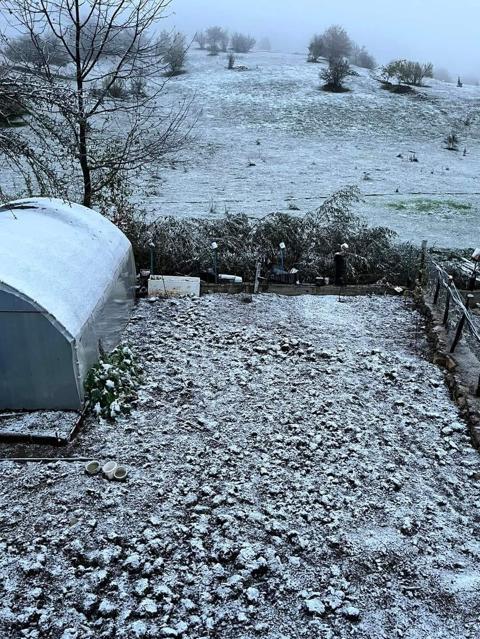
(457, 315)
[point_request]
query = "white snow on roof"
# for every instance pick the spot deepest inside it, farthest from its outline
(62, 256)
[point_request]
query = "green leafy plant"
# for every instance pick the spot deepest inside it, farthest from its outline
(110, 387)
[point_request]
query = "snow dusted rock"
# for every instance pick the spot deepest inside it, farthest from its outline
(107, 608)
(148, 607)
(252, 594)
(315, 606)
(133, 563)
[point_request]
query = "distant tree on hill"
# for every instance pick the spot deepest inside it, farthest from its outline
(265, 44)
(224, 40)
(241, 43)
(216, 39)
(334, 75)
(443, 75)
(337, 43)
(175, 53)
(316, 48)
(35, 51)
(201, 39)
(407, 72)
(360, 57)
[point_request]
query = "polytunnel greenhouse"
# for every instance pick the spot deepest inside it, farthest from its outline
(67, 286)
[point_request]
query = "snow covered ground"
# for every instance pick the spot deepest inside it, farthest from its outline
(268, 139)
(297, 469)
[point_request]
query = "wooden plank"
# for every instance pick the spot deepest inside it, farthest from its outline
(295, 290)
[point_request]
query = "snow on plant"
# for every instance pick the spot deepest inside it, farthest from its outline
(111, 384)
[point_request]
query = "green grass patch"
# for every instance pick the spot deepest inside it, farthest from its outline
(429, 206)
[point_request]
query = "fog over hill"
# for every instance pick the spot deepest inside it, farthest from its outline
(441, 31)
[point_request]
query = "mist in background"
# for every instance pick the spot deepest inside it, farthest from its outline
(439, 31)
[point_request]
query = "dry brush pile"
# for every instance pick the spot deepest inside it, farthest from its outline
(183, 246)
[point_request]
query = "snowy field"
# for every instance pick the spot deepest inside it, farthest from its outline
(268, 139)
(297, 469)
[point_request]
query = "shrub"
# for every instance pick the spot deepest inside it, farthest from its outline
(334, 75)
(110, 386)
(241, 43)
(116, 89)
(316, 49)
(10, 109)
(138, 87)
(407, 72)
(452, 141)
(231, 62)
(175, 54)
(184, 245)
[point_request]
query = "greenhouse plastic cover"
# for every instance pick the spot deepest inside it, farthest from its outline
(61, 256)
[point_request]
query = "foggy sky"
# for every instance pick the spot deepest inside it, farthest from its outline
(445, 32)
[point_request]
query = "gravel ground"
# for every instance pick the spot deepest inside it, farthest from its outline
(297, 469)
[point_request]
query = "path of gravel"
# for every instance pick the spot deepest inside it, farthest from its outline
(297, 470)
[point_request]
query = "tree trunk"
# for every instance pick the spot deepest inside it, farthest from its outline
(83, 157)
(82, 120)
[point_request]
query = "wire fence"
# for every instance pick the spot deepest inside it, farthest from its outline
(457, 316)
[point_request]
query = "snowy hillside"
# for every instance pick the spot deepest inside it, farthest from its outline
(268, 139)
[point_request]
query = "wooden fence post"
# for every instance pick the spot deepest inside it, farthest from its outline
(458, 333)
(423, 259)
(257, 277)
(461, 325)
(437, 290)
(447, 302)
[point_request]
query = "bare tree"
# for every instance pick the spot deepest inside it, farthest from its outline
(265, 44)
(241, 43)
(217, 40)
(443, 75)
(407, 72)
(35, 51)
(362, 58)
(337, 43)
(201, 39)
(92, 128)
(316, 48)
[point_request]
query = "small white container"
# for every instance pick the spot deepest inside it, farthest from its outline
(120, 473)
(93, 467)
(109, 469)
